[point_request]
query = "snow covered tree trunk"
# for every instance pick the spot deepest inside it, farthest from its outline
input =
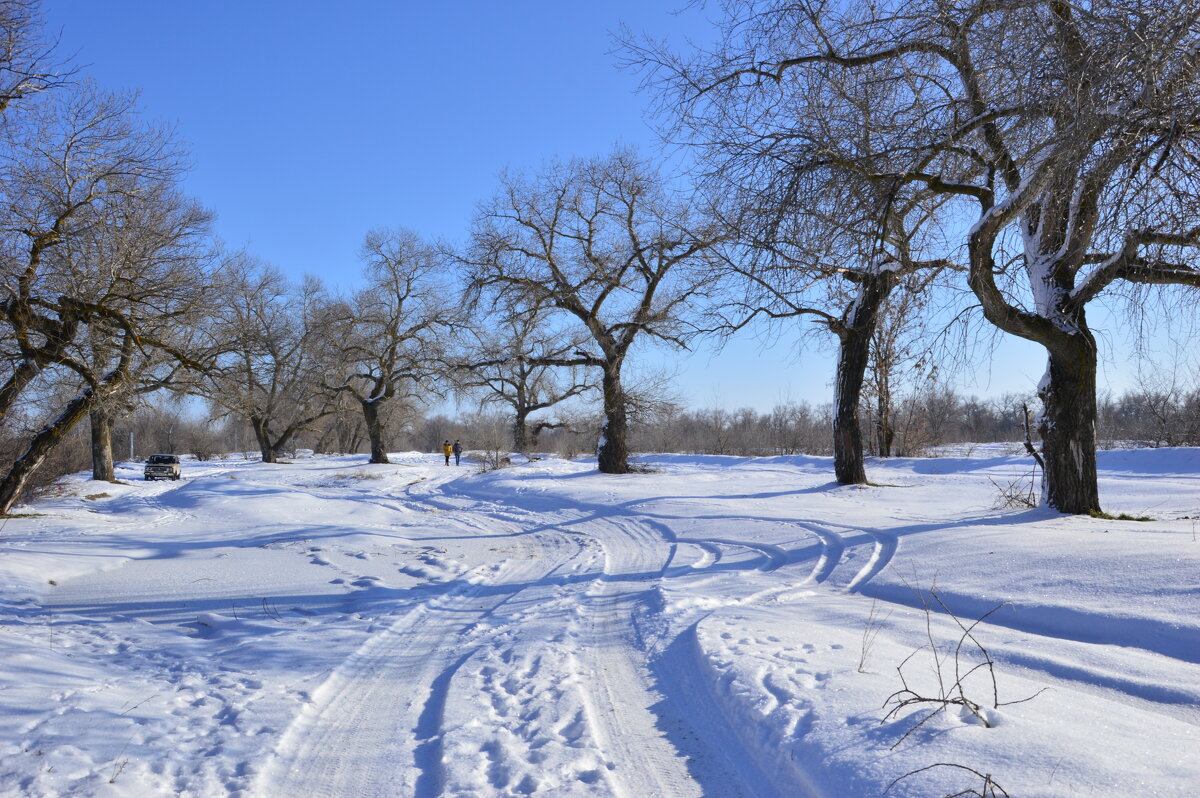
(40, 447)
(1068, 426)
(102, 457)
(612, 451)
(370, 410)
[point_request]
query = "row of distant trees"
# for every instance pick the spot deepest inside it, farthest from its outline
(873, 169)
(927, 419)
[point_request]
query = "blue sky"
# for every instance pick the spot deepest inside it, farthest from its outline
(309, 124)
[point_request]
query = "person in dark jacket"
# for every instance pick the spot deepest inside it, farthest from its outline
(457, 449)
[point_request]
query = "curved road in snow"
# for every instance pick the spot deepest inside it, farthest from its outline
(452, 696)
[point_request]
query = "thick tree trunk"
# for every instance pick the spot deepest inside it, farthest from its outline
(1068, 426)
(853, 353)
(263, 436)
(102, 456)
(848, 465)
(40, 447)
(520, 432)
(370, 412)
(612, 451)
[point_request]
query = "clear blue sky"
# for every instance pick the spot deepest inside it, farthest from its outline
(312, 122)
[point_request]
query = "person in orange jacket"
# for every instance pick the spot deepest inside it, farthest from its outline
(447, 450)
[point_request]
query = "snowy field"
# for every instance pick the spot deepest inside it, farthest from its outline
(717, 626)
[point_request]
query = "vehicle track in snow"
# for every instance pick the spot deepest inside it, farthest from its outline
(460, 695)
(646, 698)
(369, 728)
(374, 726)
(618, 696)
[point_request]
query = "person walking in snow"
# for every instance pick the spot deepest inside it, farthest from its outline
(447, 450)
(457, 448)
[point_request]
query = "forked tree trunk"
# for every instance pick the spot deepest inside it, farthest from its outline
(854, 349)
(612, 451)
(1067, 425)
(370, 412)
(40, 447)
(102, 456)
(263, 436)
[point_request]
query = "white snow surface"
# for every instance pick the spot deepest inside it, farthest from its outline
(715, 626)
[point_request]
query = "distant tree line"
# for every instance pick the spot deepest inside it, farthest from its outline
(930, 419)
(882, 174)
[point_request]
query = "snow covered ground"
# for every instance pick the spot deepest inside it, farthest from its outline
(717, 626)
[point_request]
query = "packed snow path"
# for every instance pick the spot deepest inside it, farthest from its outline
(570, 708)
(717, 627)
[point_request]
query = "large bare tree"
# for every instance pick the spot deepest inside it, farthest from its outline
(89, 213)
(153, 255)
(817, 240)
(510, 362)
(279, 344)
(392, 333)
(603, 242)
(1067, 133)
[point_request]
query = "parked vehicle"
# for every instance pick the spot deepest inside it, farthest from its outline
(162, 466)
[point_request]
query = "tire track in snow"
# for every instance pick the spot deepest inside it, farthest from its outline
(656, 743)
(373, 728)
(517, 723)
(773, 557)
(737, 767)
(710, 553)
(885, 547)
(833, 546)
(618, 698)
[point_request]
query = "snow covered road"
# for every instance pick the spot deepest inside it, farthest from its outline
(717, 627)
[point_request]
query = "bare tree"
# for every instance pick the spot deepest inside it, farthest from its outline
(819, 240)
(63, 167)
(900, 355)
(391, 336)
(604, 243)
(1068, 131)
(27, 64)
(831, 274)
(93, 233)
(156, 272)
(279, 345)
(509, 365)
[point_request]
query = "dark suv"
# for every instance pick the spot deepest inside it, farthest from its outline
(162, 466)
